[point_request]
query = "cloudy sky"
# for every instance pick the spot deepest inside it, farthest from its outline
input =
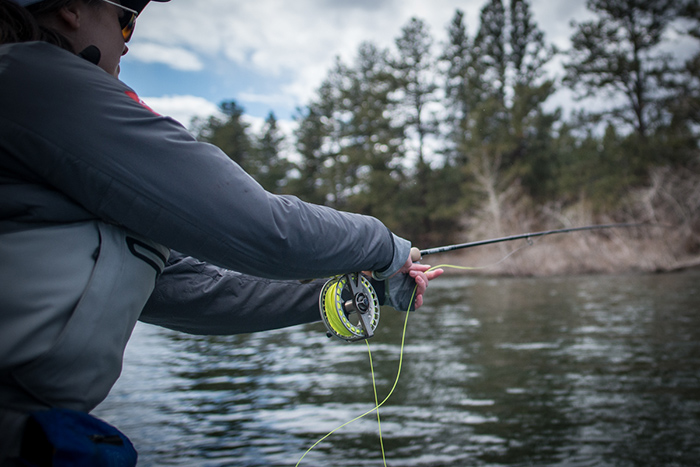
(187, 56)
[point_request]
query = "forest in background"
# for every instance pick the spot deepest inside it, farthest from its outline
(451, 142)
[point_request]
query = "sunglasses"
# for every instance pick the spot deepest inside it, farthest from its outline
(126, 21)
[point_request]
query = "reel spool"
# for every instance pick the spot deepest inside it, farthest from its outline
(349, 307)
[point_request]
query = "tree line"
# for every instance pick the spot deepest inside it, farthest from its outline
(431, 136)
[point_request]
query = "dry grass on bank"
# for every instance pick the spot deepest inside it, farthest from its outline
(572, 253)
(669, 239)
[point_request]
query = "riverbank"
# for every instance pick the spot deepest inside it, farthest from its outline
(667, 239)
(611, 251)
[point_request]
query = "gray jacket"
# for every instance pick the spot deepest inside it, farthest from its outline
(98, 197)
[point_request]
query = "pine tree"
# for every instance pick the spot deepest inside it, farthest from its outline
(490, 50)
(504, 138)
(678, 140)
(230, 134)
(490, 143)
(531, 127)
(414, 71)
(266, 163)
(371, 142)
(460, 81)
(618, 56)
(317, 144)
(415, 90)
(449, 199)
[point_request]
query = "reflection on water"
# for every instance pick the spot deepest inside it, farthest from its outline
(600, 370)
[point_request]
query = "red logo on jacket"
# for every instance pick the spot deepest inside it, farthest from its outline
(136, 98)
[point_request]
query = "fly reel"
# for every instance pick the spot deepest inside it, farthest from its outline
(349, 307)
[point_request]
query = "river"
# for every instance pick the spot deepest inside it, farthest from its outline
(562, 371)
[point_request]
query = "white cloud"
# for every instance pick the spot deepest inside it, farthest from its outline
(554, 18)
(182, 108)
(296, 42)
(269, 99)
(175, 57)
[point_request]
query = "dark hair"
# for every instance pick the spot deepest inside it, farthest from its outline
(46, 7)
(20, 24)
(17, 24)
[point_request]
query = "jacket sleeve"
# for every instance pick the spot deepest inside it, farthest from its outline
(198, 298)
(125, 164)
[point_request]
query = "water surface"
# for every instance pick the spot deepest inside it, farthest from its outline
(574, 371)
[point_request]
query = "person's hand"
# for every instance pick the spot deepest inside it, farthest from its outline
(413, 256)
(422, 275)
(399, 288)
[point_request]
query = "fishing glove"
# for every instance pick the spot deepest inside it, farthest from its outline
(397, 292)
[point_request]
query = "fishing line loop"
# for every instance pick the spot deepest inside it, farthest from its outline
(377, 405)
(334, 290)
(336, 307)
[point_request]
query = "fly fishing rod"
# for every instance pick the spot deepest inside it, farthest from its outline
(349, 305)
(417, 254)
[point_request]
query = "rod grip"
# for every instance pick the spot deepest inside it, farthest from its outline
(415, 254)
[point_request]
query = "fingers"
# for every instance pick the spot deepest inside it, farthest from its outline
(426, 268)
(419, 301)
(421, 281)
(422, 275)
(434, 274)
(418, 267)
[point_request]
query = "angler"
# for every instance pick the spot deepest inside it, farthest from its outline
(111, 213)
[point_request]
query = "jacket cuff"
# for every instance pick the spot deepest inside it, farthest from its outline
(402, 250)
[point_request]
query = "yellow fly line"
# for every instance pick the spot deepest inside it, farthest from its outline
(332, 300)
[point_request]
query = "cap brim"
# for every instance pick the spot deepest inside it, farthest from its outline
(139, 5)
